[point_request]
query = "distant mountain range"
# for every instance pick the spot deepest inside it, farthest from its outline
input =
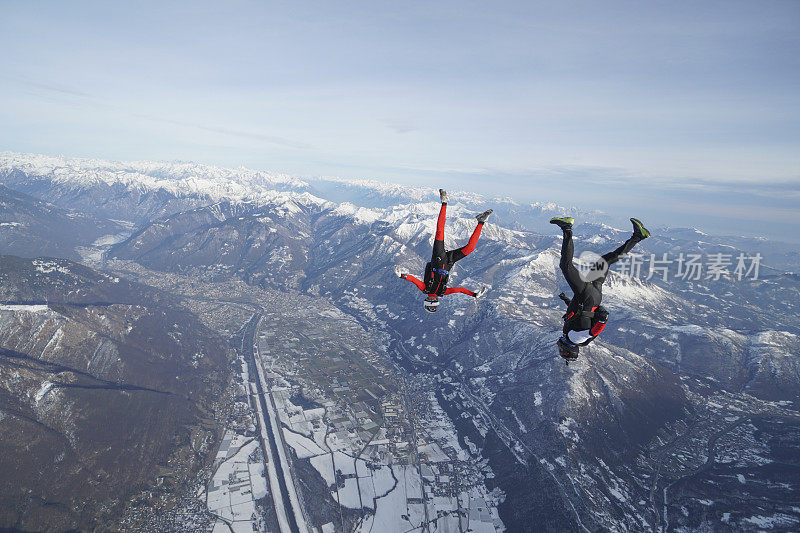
(693, 383)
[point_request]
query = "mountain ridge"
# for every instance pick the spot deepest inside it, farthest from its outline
(595, 430)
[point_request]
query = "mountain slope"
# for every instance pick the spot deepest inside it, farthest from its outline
(104, 389)
(620, 440)
(30, 227)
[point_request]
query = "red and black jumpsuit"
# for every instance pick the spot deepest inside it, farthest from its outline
(438, 269)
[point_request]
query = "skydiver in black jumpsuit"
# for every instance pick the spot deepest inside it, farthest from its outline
(585, 317)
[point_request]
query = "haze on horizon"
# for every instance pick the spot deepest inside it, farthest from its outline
(685, 113)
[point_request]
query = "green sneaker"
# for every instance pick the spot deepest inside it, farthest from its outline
(564, 223)
(639, 230)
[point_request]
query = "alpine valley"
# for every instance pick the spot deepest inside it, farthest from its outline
(191, 348)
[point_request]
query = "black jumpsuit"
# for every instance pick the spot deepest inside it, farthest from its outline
(588, 295)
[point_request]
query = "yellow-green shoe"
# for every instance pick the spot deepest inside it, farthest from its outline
(639, 230)
(564, 223)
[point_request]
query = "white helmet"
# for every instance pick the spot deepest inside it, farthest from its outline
(431, 304)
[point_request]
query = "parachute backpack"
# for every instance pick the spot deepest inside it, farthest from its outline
(580, 319)
(435, 280)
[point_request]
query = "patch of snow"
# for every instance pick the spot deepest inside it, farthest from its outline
(46, 387)
(324, 465)
(46, 267)
(537, 398)
(258, 480)
(28, 308)
(771, 522)
(618, 495)
(303, 446)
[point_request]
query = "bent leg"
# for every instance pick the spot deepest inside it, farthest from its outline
(567, 268)
(464, 251)
(612, 257)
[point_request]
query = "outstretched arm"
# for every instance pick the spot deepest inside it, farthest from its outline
(462, 290)
(408, 277)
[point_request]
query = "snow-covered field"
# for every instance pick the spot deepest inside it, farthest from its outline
(236, 483)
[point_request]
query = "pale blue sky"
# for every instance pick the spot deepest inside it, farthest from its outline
(665, 107)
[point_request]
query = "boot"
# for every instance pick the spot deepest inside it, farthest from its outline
(483, 216)
(565, 223)
(639, 231)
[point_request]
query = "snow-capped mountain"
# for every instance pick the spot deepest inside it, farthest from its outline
(639, 434)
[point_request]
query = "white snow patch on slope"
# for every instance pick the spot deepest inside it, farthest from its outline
(771, 522)
(28, 308)
(46, 267)
(46, 387)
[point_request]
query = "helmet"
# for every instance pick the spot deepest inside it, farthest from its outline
(567, 350)
(431, 304)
